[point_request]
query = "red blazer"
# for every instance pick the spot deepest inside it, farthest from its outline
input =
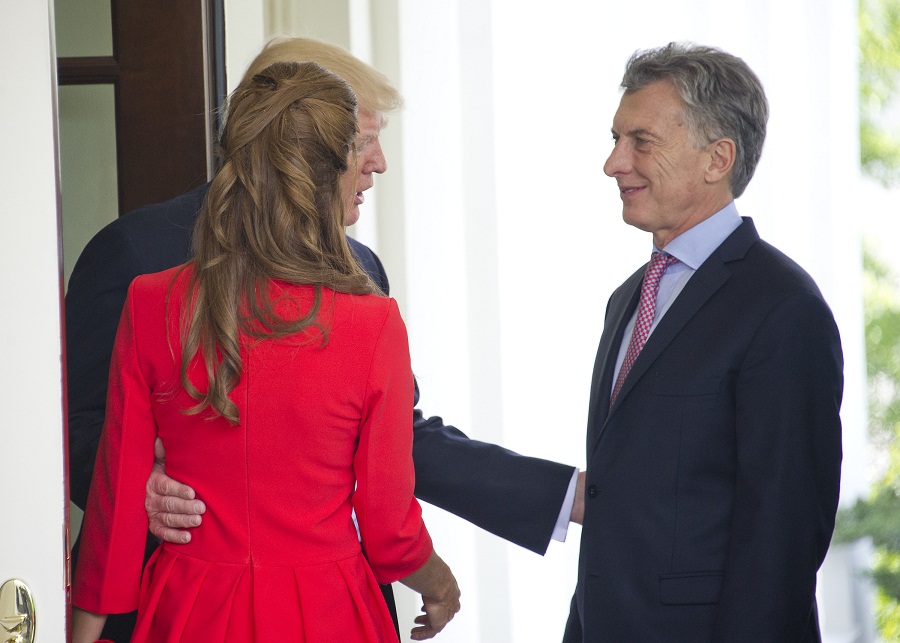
(324, 430)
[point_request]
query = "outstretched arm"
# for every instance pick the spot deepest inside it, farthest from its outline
(512, 496)
(515, 497)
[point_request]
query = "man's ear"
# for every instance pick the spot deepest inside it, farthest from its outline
(721, 160)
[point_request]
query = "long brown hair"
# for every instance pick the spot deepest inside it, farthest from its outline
(274, 210)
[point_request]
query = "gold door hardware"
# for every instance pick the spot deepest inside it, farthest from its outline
(16, 613)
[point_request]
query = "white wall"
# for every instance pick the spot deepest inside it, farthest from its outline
(33, 502)
(245, 35)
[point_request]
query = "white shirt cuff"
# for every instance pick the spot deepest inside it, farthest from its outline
(565, 513)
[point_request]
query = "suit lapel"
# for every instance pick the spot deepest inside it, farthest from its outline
(621, 308)
(708, 278)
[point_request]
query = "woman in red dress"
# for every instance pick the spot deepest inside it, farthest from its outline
(278, 379)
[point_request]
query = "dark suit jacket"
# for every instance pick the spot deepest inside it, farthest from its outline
(515, 497)
(712, 482)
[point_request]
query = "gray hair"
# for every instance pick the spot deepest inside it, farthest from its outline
(722, 98)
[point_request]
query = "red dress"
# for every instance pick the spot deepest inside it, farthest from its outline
(324, 430)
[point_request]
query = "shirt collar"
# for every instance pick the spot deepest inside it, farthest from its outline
(693, 246)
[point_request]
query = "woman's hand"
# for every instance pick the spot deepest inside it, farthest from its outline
(440, 596)
(438, 612)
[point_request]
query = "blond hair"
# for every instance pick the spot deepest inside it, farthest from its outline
(373, 90)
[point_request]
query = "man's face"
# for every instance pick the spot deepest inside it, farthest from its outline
(657, 166)
(369, 160)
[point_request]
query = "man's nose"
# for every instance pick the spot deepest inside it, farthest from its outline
(617, 163)
(375, 161)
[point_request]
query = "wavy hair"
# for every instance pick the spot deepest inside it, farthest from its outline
(274, 211)
(721, 95)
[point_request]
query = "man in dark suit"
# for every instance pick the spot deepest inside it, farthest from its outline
(714, 438)
(521, 499)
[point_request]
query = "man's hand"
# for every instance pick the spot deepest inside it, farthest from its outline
(171, 506)
(578, 505)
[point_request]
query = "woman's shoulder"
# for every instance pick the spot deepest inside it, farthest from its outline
(175, 276)
(160, 286)
(372, 303)
(368, 314)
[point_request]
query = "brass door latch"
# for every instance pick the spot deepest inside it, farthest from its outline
(16, 613)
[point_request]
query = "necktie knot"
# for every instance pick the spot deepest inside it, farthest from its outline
(659, 263)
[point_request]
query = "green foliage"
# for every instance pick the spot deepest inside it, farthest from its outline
(879, 77)
(887, 618)
(878, 517)
(882, 319)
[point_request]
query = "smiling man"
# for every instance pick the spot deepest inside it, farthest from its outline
(714, 437)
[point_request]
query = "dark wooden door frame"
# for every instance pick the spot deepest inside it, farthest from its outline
(168, 68)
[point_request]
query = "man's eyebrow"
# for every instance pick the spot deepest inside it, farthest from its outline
(369, 136)
(634, 133)
(641, 133)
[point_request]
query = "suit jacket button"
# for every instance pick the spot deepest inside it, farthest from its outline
(592, 491)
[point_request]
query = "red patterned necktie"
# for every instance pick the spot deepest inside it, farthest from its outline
(659, 263)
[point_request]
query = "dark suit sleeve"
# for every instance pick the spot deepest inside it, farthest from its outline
(97, 290)
(512, 496)
(788, 451)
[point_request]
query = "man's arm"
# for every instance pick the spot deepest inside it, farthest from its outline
(788, 395)
(516, 497)
(512, 496)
